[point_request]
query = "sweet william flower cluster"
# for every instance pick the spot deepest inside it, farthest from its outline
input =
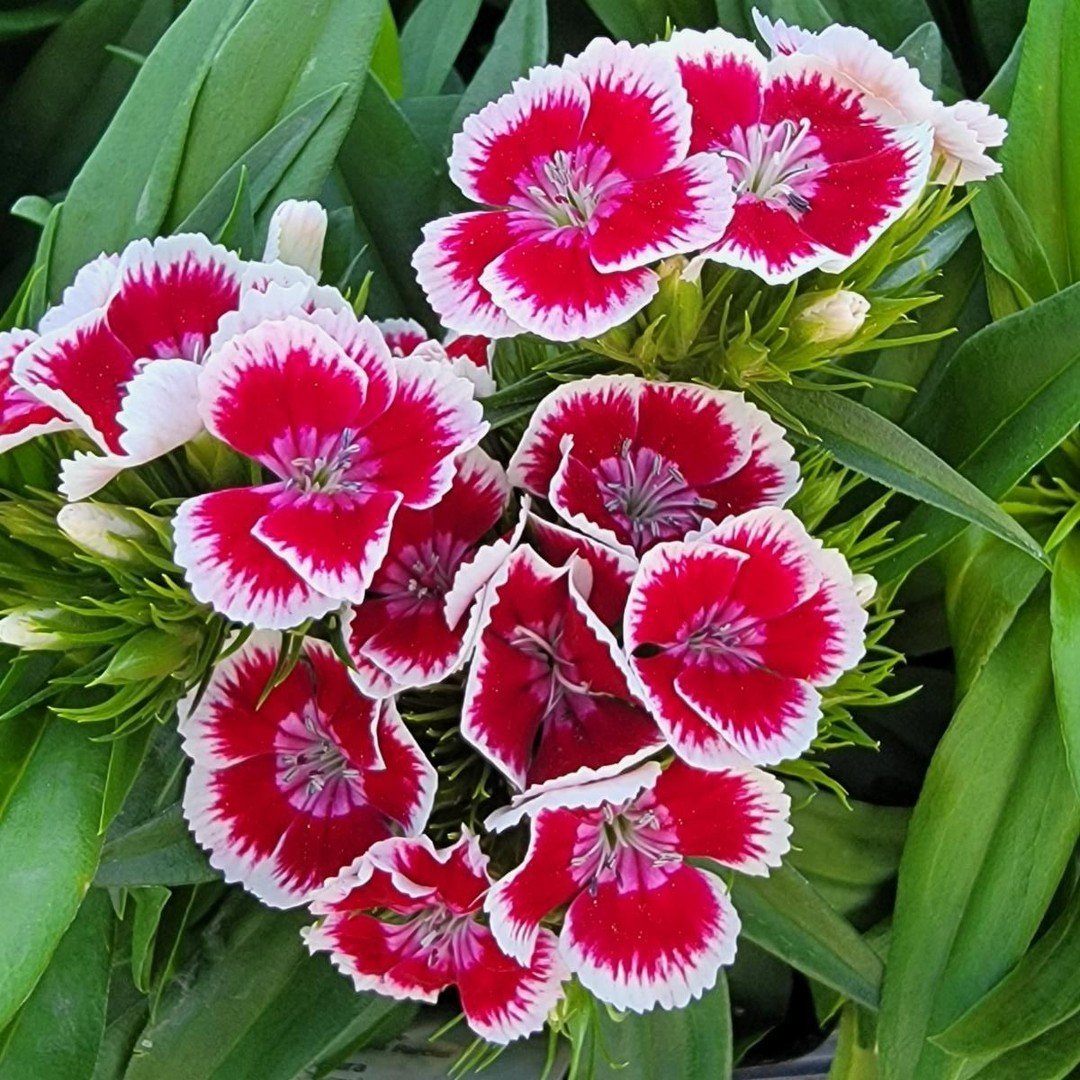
(629, 619)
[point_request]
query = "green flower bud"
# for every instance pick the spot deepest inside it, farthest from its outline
(150, 654)
(829, 318)
(746, 360)
(679, 301)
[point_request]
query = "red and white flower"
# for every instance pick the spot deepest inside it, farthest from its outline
(402, 634)
(469, 355)
(731, 636)
(125, 373)
(549, 690)
(632, 463)
(350, 434)
(403, 921)
(585, 168)
(22, 415)
(819, 174)
(891, 88)
(643, 928)
(286, 792)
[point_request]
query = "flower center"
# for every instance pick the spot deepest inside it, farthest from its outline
(422, 573)
(443, 937)
(312, 769)
(558, 682)
(633, 845)
(565, 189)
(778, 163)
(649, 498)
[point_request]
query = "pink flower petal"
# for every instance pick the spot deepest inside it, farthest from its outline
(724, 77)
(686, 208)
(22, 416)
(401, 628)
(547, 284)
(543, 882)
(334, 541)
(658, 946)
(281, 392)
(170, 295)
(449, 263)
(227, 567)
(504, 1000)
(81, 371)
(611, 570)
(402, 336)
(638, 110)
(494, 155)
(91, 289)
(547, 692)
(411, 447)
(285, 792)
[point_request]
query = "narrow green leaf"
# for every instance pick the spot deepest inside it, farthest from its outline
(124, 189)
(386, 56)
(991, 834)
(264, 165)
(260, 1007)
(431, 41)
(1007, 397)
(1065, 647)
(32, 20)
(160, 851)
(521, 43)
(986, 584)
(49, 849)
(694, 1041)
(52, 116)
(394, 185)
(1054, 1055)
(1043, 990)
(328, 42)
(149, 905)
(125, 759)
(789, 918)
(58, 1031)
(870, 444)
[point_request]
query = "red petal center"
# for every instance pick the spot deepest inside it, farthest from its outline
(565, 189)
(778, 163)
(312, 768)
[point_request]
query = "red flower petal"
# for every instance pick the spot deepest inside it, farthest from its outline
(504, 1000)
(542, 883)
(725, 78)
(738, 818)
(91, 289)
(547, 284)
(226, 566)
(22, 415)
(686, 208)
(449, 263)
(637, 948)
(611, 570)
(402, 336)
(411, 447)
(170, 295)
(282, 392)
(494, 155)
(82, 371)
(547, 692)
(638, 110)
(334, 541)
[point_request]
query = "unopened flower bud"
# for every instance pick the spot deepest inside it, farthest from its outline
(829, 318)
(22, 628)
(746, 360)
(296, 235)
(97, 528)
(679, 302)
(865, 588)
(150, 654)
